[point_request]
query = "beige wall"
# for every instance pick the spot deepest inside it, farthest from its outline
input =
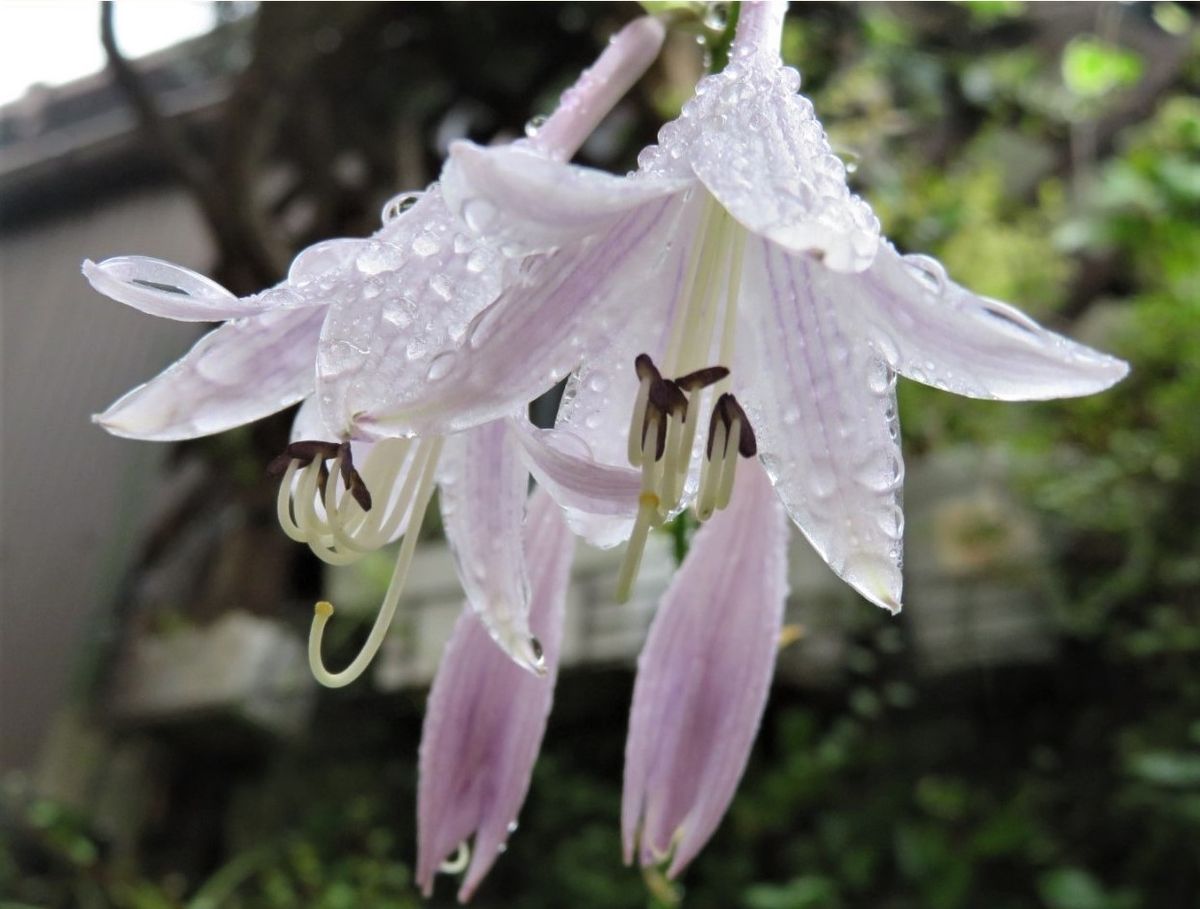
(69, 493)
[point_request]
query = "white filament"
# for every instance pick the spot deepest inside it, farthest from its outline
(424, 468)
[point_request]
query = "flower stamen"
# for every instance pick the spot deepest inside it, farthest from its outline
(661, 437)
(729, 435)
(421, 475)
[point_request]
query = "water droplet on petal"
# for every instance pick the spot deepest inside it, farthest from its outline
(928, 270)
(425, 244)
(716, 16)
(880, 378)
(534, 125)
(479, 214)
(398, 205)
(441, 365)
(482, 326)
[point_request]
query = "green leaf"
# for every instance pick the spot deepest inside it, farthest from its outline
(1092, 68)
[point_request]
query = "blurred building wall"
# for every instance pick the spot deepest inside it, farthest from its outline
(71, 494)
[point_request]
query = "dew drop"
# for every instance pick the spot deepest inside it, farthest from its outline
(440, 284)
(478, 260)
(441, 365)
(482, 326)
(716, 16)
(398, 317)
(479, 214)
(398, 205)
(425, 244)
(880, 378)
(534, 125)
(928, 270)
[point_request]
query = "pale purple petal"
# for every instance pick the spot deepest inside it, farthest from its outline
(486, 718)
(326, 259)
(529, 203)
(484, 484)
(600, 499)
(559, 310)
(245, 370)
(703, 677)
(764, 156)
(399, 306)
(932, 330)
(598, 402)
(164, 289)
(627, 56)
(823, 405)
(307, 424)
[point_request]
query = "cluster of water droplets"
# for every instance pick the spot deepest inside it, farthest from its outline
(400, 302)
(758, 147)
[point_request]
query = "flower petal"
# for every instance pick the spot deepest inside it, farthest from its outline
(561, 308)
(399, 307)
(932, 330)
(529, 203)
(823, 407)
(703, 677)
(600, 500)
(307, 423)
(486, 718)
(623, 61)
(484, 484)
(163, 289)
(243, 371)
(757, 147)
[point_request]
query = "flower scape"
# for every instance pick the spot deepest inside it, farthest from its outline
(730, 323)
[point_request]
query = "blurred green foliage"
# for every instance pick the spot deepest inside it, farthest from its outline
(975, 132)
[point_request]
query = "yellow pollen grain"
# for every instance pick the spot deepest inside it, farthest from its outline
(648, 500)
(324, 609)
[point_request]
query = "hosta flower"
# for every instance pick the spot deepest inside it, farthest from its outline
(732, 286)
(730, 300)
(349, 316)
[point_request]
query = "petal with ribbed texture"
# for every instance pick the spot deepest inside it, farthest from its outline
(486, 717)
(245, 370)
(703, 678)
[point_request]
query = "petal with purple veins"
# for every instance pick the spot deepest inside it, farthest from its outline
(393, 327)
(529, 203)
(764, 156)
(703, 678)
(245, 370)
(167, 290)
(932, 330)
(561, 309)
(486, 718)
(600, 499)
(822, 403)
(484, 484)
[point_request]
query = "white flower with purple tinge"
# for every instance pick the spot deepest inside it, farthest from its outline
(351, 314)
(731, 299)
